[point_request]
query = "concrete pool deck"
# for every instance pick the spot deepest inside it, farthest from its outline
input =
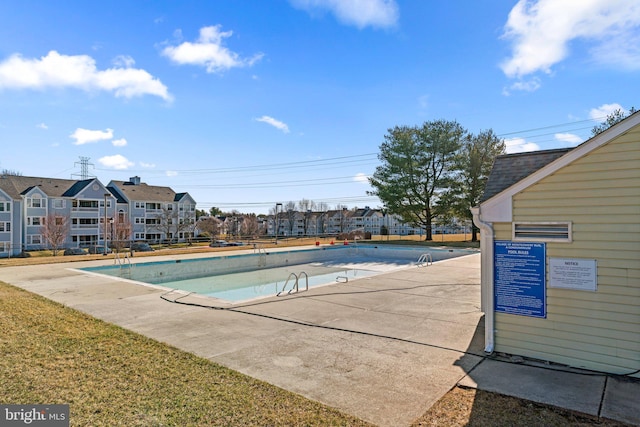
(382, 348)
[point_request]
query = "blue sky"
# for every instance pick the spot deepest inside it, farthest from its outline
(248, 103)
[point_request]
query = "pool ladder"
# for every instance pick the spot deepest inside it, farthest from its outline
(295, 288)
(124, 262)
(262, 255)
(425, 259)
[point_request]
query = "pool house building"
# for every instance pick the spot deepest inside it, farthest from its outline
(560, 240)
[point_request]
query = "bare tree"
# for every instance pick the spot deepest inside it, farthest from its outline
(322, 206)
(55, 230)
(209, 225)
(306, 205)
(120, 234)
(187, 225)
(290, 216)
(167, 222)
(250, 225)
(171, 223)
(344, 217)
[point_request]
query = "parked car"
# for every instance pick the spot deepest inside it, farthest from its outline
(141, 247)
(74, 251)
(218, 244)
(98, 250)
(236, 244)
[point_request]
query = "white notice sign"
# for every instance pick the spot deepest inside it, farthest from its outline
(578, 274)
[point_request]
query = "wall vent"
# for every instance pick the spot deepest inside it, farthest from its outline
(542, 231)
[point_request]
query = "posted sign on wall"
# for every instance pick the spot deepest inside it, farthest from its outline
(519, 278)
(581, 274)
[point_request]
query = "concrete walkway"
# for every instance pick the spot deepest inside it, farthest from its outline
(383, 348)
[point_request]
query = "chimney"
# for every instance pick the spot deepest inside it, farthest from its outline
(135, 180)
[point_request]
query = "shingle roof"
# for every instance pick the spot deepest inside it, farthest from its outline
(511, 168)
(15, 185)
(144, 192)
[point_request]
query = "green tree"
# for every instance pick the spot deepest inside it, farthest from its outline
(418, 165)
(612, 119)
(475, 160)
(213, 211)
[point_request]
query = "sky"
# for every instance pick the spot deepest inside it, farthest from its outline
(249, 103)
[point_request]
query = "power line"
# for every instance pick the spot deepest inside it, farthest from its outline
(288, 165)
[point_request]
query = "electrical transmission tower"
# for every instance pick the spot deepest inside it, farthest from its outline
(84, 168)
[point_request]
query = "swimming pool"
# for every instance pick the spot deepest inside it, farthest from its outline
(237, 278)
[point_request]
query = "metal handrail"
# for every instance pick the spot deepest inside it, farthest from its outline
(296, 284)
(306, 276)
(425, 258)
(122, 260)
(287, 282)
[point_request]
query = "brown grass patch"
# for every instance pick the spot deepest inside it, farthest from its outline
(470, 407)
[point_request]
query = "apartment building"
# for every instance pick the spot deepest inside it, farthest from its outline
(88, 207)
(155, 213)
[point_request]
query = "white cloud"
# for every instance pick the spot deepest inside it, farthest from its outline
(568, 138)
(361, 178)
(208, 51)
(520, 145)
(147, 165)
(600, 113)
(530, 85)
(119, 142)
(86, 136)
(80, 72)
(171, 173)
(42, 126)
(360, 13)
(275, 123)
(124, 61)
(541, 31)
(115, 162)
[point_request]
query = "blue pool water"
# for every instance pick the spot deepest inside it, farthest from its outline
(236, 278)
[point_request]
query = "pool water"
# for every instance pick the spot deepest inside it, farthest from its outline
(237, 287)
(236, 278)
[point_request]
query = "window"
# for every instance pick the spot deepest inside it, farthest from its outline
(542, 231)
(139, 205)
(86, 204)
(5, 227)
(34, 239)
(34, 220)
(139, 220)
(5, 206)
(5, 246)
(34, 202)
(59, 203)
